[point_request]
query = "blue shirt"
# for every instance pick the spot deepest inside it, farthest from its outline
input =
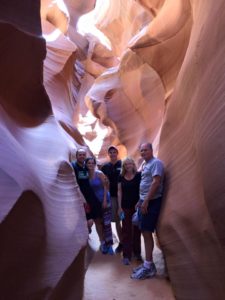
(98, 188)
(154, 167)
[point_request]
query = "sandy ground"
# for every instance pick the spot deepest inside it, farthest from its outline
(108, 279)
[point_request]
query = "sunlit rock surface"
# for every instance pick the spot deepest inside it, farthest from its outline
(134, 92)
(126, 72)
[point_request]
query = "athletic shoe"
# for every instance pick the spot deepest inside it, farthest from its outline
(119, 248)
(126, 261)
(104, 249)
(110, 250)
(144, 273)
(152, 266)
(138, 268)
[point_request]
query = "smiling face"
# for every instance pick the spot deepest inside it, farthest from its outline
(113, 155)
(129, 166)
(90, 164)
(81, 156)
(146, 151)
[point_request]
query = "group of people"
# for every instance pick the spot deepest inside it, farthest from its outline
(114, 193)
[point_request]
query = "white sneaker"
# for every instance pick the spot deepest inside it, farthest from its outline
(143, 273)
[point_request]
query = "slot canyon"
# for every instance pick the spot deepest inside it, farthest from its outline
(85, 73)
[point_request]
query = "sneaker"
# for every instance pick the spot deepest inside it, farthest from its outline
(138, 268)
(153, 267)
(110, 250)
(104, 249)
(119, 248)
(126, 261)
(144, 273)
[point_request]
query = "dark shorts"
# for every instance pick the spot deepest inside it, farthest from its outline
(148, 222)
(95, 210)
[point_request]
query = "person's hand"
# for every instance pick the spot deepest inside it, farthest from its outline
(119, 211)
(144, 207)
(106, 181)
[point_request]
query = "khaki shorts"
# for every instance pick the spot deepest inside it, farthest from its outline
(114, 201)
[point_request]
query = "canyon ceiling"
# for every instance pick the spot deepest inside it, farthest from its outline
(86, 73)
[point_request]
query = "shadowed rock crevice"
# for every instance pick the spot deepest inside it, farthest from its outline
(23, 242)
(27, 102)
(71, 284)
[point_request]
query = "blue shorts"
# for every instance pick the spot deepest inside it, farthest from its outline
(148, 221)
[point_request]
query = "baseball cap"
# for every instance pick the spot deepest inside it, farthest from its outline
(112, 147)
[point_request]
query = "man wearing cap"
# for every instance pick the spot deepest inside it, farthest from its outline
(112, 170)
(151, 189)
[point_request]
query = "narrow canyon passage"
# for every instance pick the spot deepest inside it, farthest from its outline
(108, 279)
(93, 73)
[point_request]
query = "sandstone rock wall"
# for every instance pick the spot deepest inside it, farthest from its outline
(192, 224)
(43, 229)
(127, 72)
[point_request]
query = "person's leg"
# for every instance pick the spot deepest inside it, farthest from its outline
(136, 236)
(116, 219)
(127, 234)
(119, 230)
(99, 229)
(107, 229)
(148, 269)
(147, 226)
(149, 245)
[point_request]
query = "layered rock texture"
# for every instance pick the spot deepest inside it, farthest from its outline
(192, 227)
(43, 228)
(91, 73)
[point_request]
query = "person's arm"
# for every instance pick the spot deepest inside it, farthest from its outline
(103, 169)
(152, 190)
(105, 184)
(119, 195)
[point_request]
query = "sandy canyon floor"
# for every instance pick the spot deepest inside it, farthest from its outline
(108, 279)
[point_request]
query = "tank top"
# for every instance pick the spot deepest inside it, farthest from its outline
(98, 187)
